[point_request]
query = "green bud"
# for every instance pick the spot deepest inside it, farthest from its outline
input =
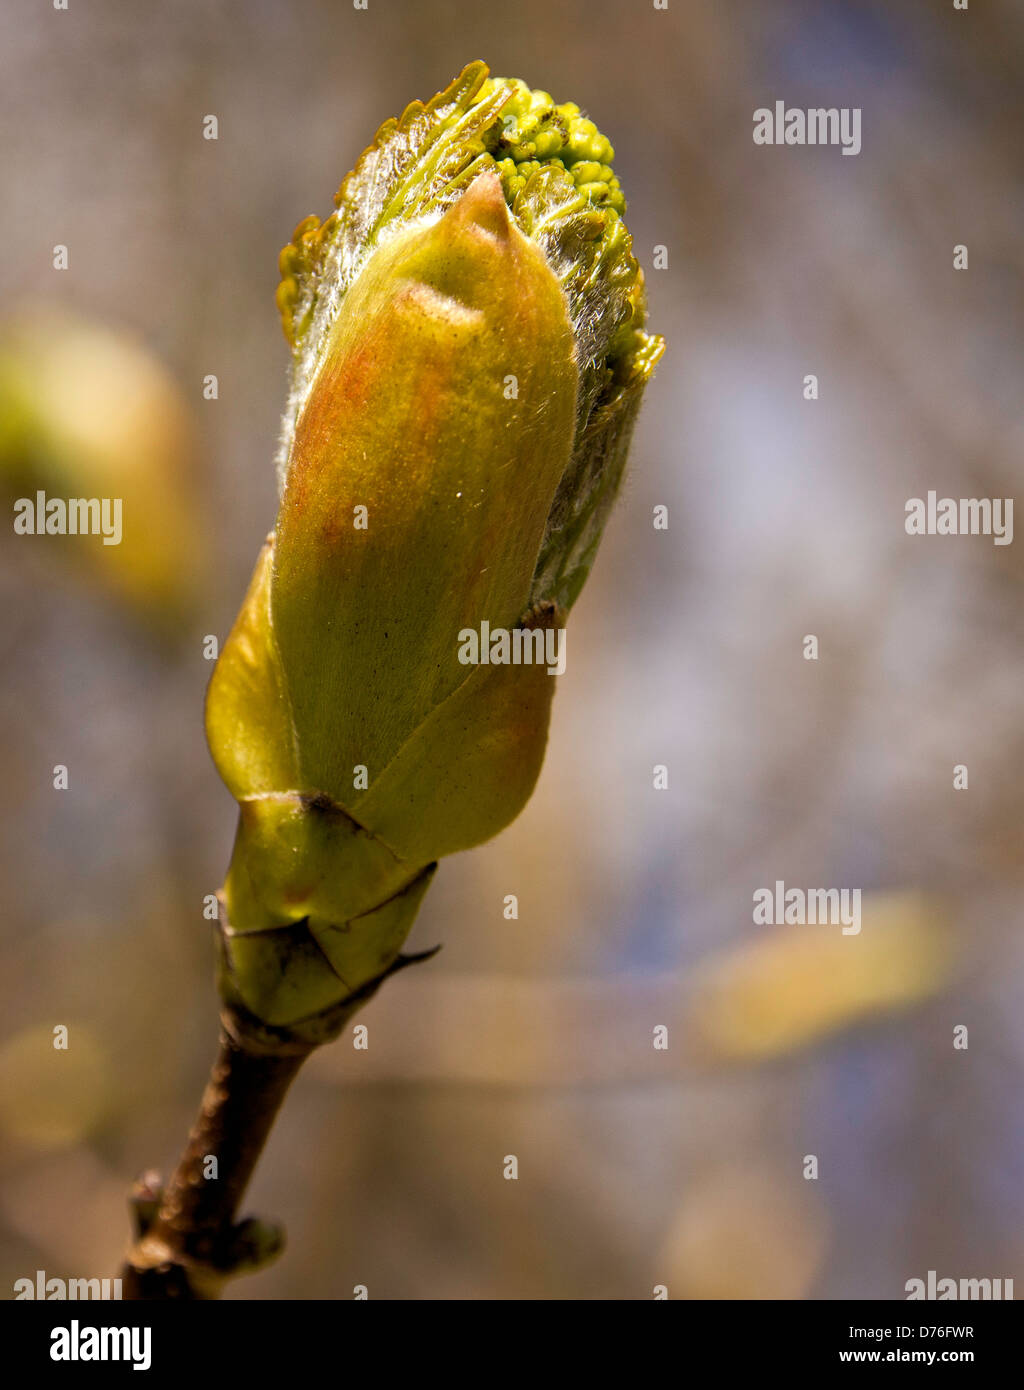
(469, 355)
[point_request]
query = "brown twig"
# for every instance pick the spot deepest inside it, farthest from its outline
(188, 1243)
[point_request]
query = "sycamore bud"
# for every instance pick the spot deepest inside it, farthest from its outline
(469, 356)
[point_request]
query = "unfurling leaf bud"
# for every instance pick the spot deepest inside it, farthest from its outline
(469, 355)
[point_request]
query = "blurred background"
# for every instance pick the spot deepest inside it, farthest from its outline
(681, 1167)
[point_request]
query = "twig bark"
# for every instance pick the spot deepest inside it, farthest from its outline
(188, 1243)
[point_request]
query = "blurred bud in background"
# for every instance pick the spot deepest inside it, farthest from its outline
(745, 1231)
(52, 1097)
(87, 411)
(802, 984)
